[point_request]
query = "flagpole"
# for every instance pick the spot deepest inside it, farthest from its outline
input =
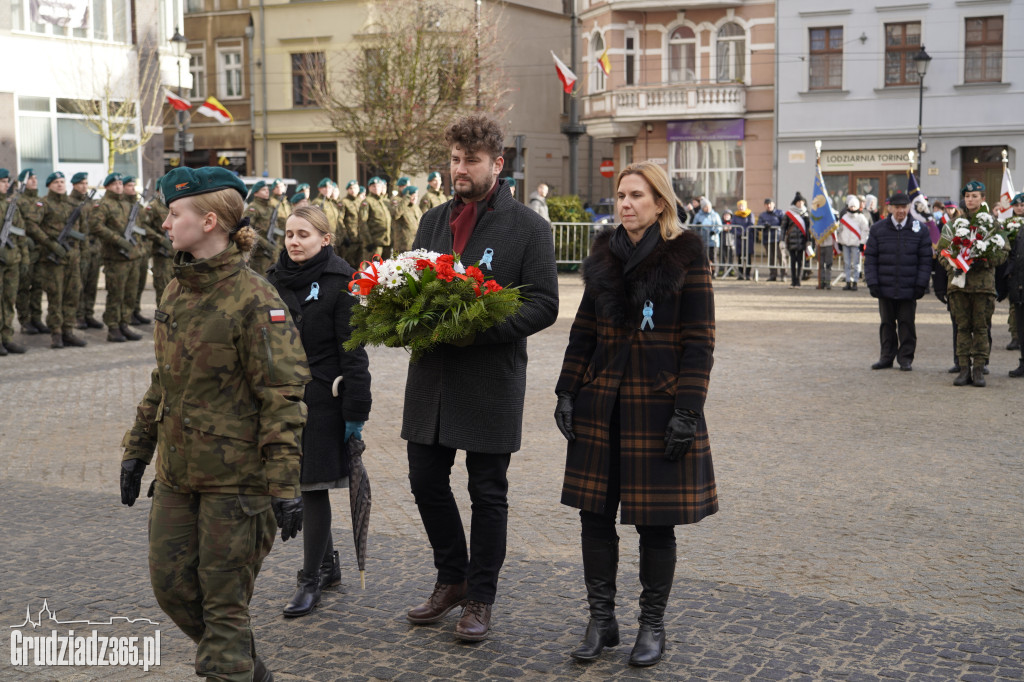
(574, 129)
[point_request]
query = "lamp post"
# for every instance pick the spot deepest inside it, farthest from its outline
(921, 60)
(179, 44)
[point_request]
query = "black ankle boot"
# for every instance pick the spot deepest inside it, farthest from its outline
(330, 571)
(306, 597)
(964, 377)
(260, 673)
(657, 569)
(600, 564)
(1019, 372)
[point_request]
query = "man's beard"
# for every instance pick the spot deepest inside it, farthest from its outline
(475, 190)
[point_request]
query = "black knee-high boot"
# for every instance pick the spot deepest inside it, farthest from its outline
(600, 564)
(657, 569)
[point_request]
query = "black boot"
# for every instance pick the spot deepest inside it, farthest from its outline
(56, 340)
(964, 377)
(114, 334)
(138, 319)
(41, 326)
(70, 340)
(129, 334)
(260, 672)
(978, 376)
(306, 597)
(92, 323)
(600, 565)
(657, 569)
(1019, 372)
(330, 571)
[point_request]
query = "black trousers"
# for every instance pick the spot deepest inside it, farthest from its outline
(796, 266)
(897, 333)
(430, 468)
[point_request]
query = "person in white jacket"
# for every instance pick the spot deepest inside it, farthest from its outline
(851, 235)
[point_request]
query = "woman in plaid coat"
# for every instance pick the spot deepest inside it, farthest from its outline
(630, 402)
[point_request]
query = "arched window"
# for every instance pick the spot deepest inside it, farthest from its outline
(731, 53)
(597, 73)
(682, 51)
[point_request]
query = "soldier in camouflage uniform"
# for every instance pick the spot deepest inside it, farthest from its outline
(259, 212)
(408, 221)
(30, 296)
(57, 272)
(395, 202)
(349, 204)
(152, 220)
(90, 256)
(107, 221)
(145, 250)
(434, 196)
(972, 303)
(224, 415)
(328, 206)
(10, 272)
(375, 215)
(279, 200)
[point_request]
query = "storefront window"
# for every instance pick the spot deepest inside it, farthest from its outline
(712, 168)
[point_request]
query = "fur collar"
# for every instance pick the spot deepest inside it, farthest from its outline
(660, 275)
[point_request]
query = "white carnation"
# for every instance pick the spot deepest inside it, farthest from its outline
(998, 240)
(980, 246)
(961, 223)
(963, 232)
(984, 218)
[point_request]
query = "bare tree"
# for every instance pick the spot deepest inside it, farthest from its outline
(420, 65)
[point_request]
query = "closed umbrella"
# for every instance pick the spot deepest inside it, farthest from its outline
(359, 502)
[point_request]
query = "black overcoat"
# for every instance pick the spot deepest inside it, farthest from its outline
(471, 398)
(650, 372)
(323, 325)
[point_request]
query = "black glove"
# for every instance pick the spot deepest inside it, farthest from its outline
(131, 480)
(873, 291)
(680, 434)
(563, 415)
(919, 293)
(288, 513)
(942, 298)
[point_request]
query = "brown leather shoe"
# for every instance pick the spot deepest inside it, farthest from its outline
(443, 599)
(475, 622)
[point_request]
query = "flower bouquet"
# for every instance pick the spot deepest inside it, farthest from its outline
(419, 299)
(1012, 227)
(969, 241)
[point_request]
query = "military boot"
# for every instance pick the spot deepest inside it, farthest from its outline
(14, 348)
(3, 351)
(72, 340)
(964, 377)
(80, 323)
(978, 376)
(28, 328)
(1019, 372)
(657, 569)
(114, 335)
(41, 326)
(260, 673)
(138, 319)
(306, 597)
(127, 332)
(600, 566)
(92, 323)
(56, 340)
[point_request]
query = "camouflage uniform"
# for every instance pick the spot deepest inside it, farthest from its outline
(90, 258)
(404, 229)
(259, 212)
(107, 221)
(58, 276)
(152, 221)
(376, 216)
(145, 249)
(30, 297)
(330, 209)
(353, 253)
(224, 414)
(284, 211)
(10, 273)
(433, 197)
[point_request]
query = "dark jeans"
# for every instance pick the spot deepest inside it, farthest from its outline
(796, 266)
(897, 332)
(430, 468)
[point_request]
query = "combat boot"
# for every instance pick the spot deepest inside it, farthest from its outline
(3, 351)
(978, 376)
(1019, 372)
(56, 340)
(260, 673)
(114, 335)
(127, 332)
(72, 340)
(600, 566)
(964, 377)
(92, 322)
(138, 319)
(855, 285)
(14, 348)
(28, 328)
(306, 597)
(80, 323)
(1013, 345)
(41, 326)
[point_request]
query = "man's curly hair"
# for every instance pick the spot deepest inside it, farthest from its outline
(475, 133)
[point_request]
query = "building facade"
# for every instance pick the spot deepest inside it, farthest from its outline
(688, 85)
(848, 78)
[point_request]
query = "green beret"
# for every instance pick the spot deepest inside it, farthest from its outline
(4, 173)
(27, 173)
(326, 182)
(112, 178)
(511, 181)
(79, 177)
(55, 175)
(433, 175)
(973, 186)
(352, 183)
(187, 182)
(297, 197)
(278, 181)
(362, 190)
(129, 178)
(303, 186)
(1018, 199)
(374, 180)
(410, 190)
(402, 182)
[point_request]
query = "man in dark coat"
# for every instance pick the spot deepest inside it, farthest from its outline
(470, 397)
(897, 266)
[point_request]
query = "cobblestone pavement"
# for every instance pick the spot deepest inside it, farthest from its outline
(859, 537)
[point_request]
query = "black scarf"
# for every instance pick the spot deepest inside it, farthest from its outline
(296, 276)
(633, 254)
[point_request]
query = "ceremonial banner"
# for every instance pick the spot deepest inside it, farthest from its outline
(823, 218)
(1006, 194)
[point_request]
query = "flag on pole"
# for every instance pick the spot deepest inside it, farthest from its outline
(823, 218)
(214, 109)
(1005, 211)
(606, 64)
(179, 103)
(565, 74)
(924, 215)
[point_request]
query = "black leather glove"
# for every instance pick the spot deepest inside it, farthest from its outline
(563, 415)
(131, 480)
(288, 513)
(919, 293)
(873, 291)
(942, 298)
(680, 434)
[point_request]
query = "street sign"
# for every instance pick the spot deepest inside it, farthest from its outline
(607, 168)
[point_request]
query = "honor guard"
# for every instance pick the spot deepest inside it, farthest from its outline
(90, 255)
(404, 229)
(259, 212)
(434, 196)
(107, 222)
(144, 247)
(395, 201)
(328, 206)
(376, 216)
(30, 297)
(353, 253)
(153, 217)
(10, 268)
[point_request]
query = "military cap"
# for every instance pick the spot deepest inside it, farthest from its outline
(511, 181)
(410, 190)
(55, 175)
(402, 182)
(129, 178)
(352, 183)
(112, 178)
(899, 199)
(362, 190)
(260, 184)
(79, 177)
(187, 182)
(326, 182)
(4, 173)
(1018, 198)
(277, 181)
(302, 187)
(973, 186)
(297, 197)
(433, 174)
(374, 180)
(27, 173)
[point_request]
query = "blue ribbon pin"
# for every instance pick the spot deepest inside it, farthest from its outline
(648, 316)
(487, 257)
(314, 292)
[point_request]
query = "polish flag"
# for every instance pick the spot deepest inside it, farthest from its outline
(214, 109)
(1003, 210)
(179, 103)
(565, 74)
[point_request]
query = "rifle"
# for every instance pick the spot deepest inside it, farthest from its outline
(273, 231)
(69, 231)
(9, 228)
(131, 229)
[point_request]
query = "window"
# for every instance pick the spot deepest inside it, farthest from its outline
(630, 60)
(52, 134)
(682, 50)
(902, 42)
(197, 67)
(195, 6)
(308, 70)
(731, 53)
(826, 68)
(92, 20)
(76, 143)
(712, 168)
(983, 50)
(309, 161)
(597, 82)
(229, 73)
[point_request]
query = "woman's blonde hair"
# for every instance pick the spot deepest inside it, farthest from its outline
(227, 205)
(661, 187)
(315, 216)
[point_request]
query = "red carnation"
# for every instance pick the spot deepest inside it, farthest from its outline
(446, 259)
(445, 271)
(492, 286)
(474, 272)
(424, 264)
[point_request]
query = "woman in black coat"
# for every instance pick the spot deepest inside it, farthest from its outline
(796, 238)
(313, 282)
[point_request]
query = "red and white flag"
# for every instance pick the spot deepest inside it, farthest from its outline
(849, 225)
(179, 103)
(214, 109)
(1004, 211)
(565, 74)
(798, 219)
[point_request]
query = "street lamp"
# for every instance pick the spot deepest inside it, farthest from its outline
(179, 44)
(921, 60)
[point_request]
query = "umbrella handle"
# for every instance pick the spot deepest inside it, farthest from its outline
(335, 385)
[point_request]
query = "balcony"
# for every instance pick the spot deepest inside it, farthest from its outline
(596, 6)
(666, 102)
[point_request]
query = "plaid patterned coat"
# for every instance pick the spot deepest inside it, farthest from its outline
(471, 398)
(651, 372)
